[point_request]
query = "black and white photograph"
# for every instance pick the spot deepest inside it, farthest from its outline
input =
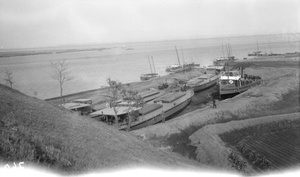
(149, 87)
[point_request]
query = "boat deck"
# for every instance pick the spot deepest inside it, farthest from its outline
(170, 97)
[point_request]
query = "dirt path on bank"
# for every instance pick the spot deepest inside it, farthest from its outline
(277, 81)
(277, 94)
(211, 149)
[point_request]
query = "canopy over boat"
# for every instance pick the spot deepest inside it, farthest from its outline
(75, 105)
(110, 111)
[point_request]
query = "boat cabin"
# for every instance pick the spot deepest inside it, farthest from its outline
(235, 79)
(108, 114)
(82, 106)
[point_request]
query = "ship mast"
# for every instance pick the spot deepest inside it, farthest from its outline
(182, 55)
(231, 54)
(270, 47)
(177, 56)
(227, 50)
(150, 64)
(223, 50)
(153, 64)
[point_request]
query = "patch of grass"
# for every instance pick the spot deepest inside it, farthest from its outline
(180, 143)
(288, 104)
(274, 64)
(38, 133)
(19, 144)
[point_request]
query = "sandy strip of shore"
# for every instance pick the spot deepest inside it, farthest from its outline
(277, 81)
(98, 95)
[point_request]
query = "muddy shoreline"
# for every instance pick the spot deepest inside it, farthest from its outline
(278, 94)
(98, 95)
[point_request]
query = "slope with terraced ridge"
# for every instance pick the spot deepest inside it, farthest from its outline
(35, 131)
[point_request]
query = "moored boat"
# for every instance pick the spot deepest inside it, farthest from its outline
(233, 82)
(152, 112)
(214, 68)
(145, 77)
(222, 60)
(82, 106)
(202, 82)
(176, 68)
(151, 75)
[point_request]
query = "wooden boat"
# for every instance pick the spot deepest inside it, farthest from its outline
(214, 68)
(258, 53)
(154, 111)
(220, 61)
(202, 82)
(145, 77)
(233, 82)
(151, 75)
(82, 106)
(177, 68)
(172, 68)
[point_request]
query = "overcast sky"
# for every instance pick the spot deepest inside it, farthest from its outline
(42, 23)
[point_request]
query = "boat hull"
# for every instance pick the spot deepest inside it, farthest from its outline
(145, 77)
(203, 86)
(225, 90)
(169, 110)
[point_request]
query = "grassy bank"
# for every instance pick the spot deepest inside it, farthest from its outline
(180, 142)
(38, 133)
(278, 94)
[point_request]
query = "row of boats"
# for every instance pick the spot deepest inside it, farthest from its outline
(175, 68)
(160, 105)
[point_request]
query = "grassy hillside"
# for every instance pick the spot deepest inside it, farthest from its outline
(36, 132)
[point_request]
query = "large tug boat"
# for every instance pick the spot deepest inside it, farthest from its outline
(235, 81)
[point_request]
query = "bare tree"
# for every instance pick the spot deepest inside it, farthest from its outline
(115, 88)
(134, 101)
(8, 78)
(61, 74)
(117, 91)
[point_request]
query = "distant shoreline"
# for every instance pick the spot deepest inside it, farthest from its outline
(135, 42)
(42, 52)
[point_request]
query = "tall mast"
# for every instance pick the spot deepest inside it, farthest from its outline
(150, 64)
(223, 50)
(177, 56)
(227, 50)
(153, 64)
(270, 47)
(257, 46)
(182, 55)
